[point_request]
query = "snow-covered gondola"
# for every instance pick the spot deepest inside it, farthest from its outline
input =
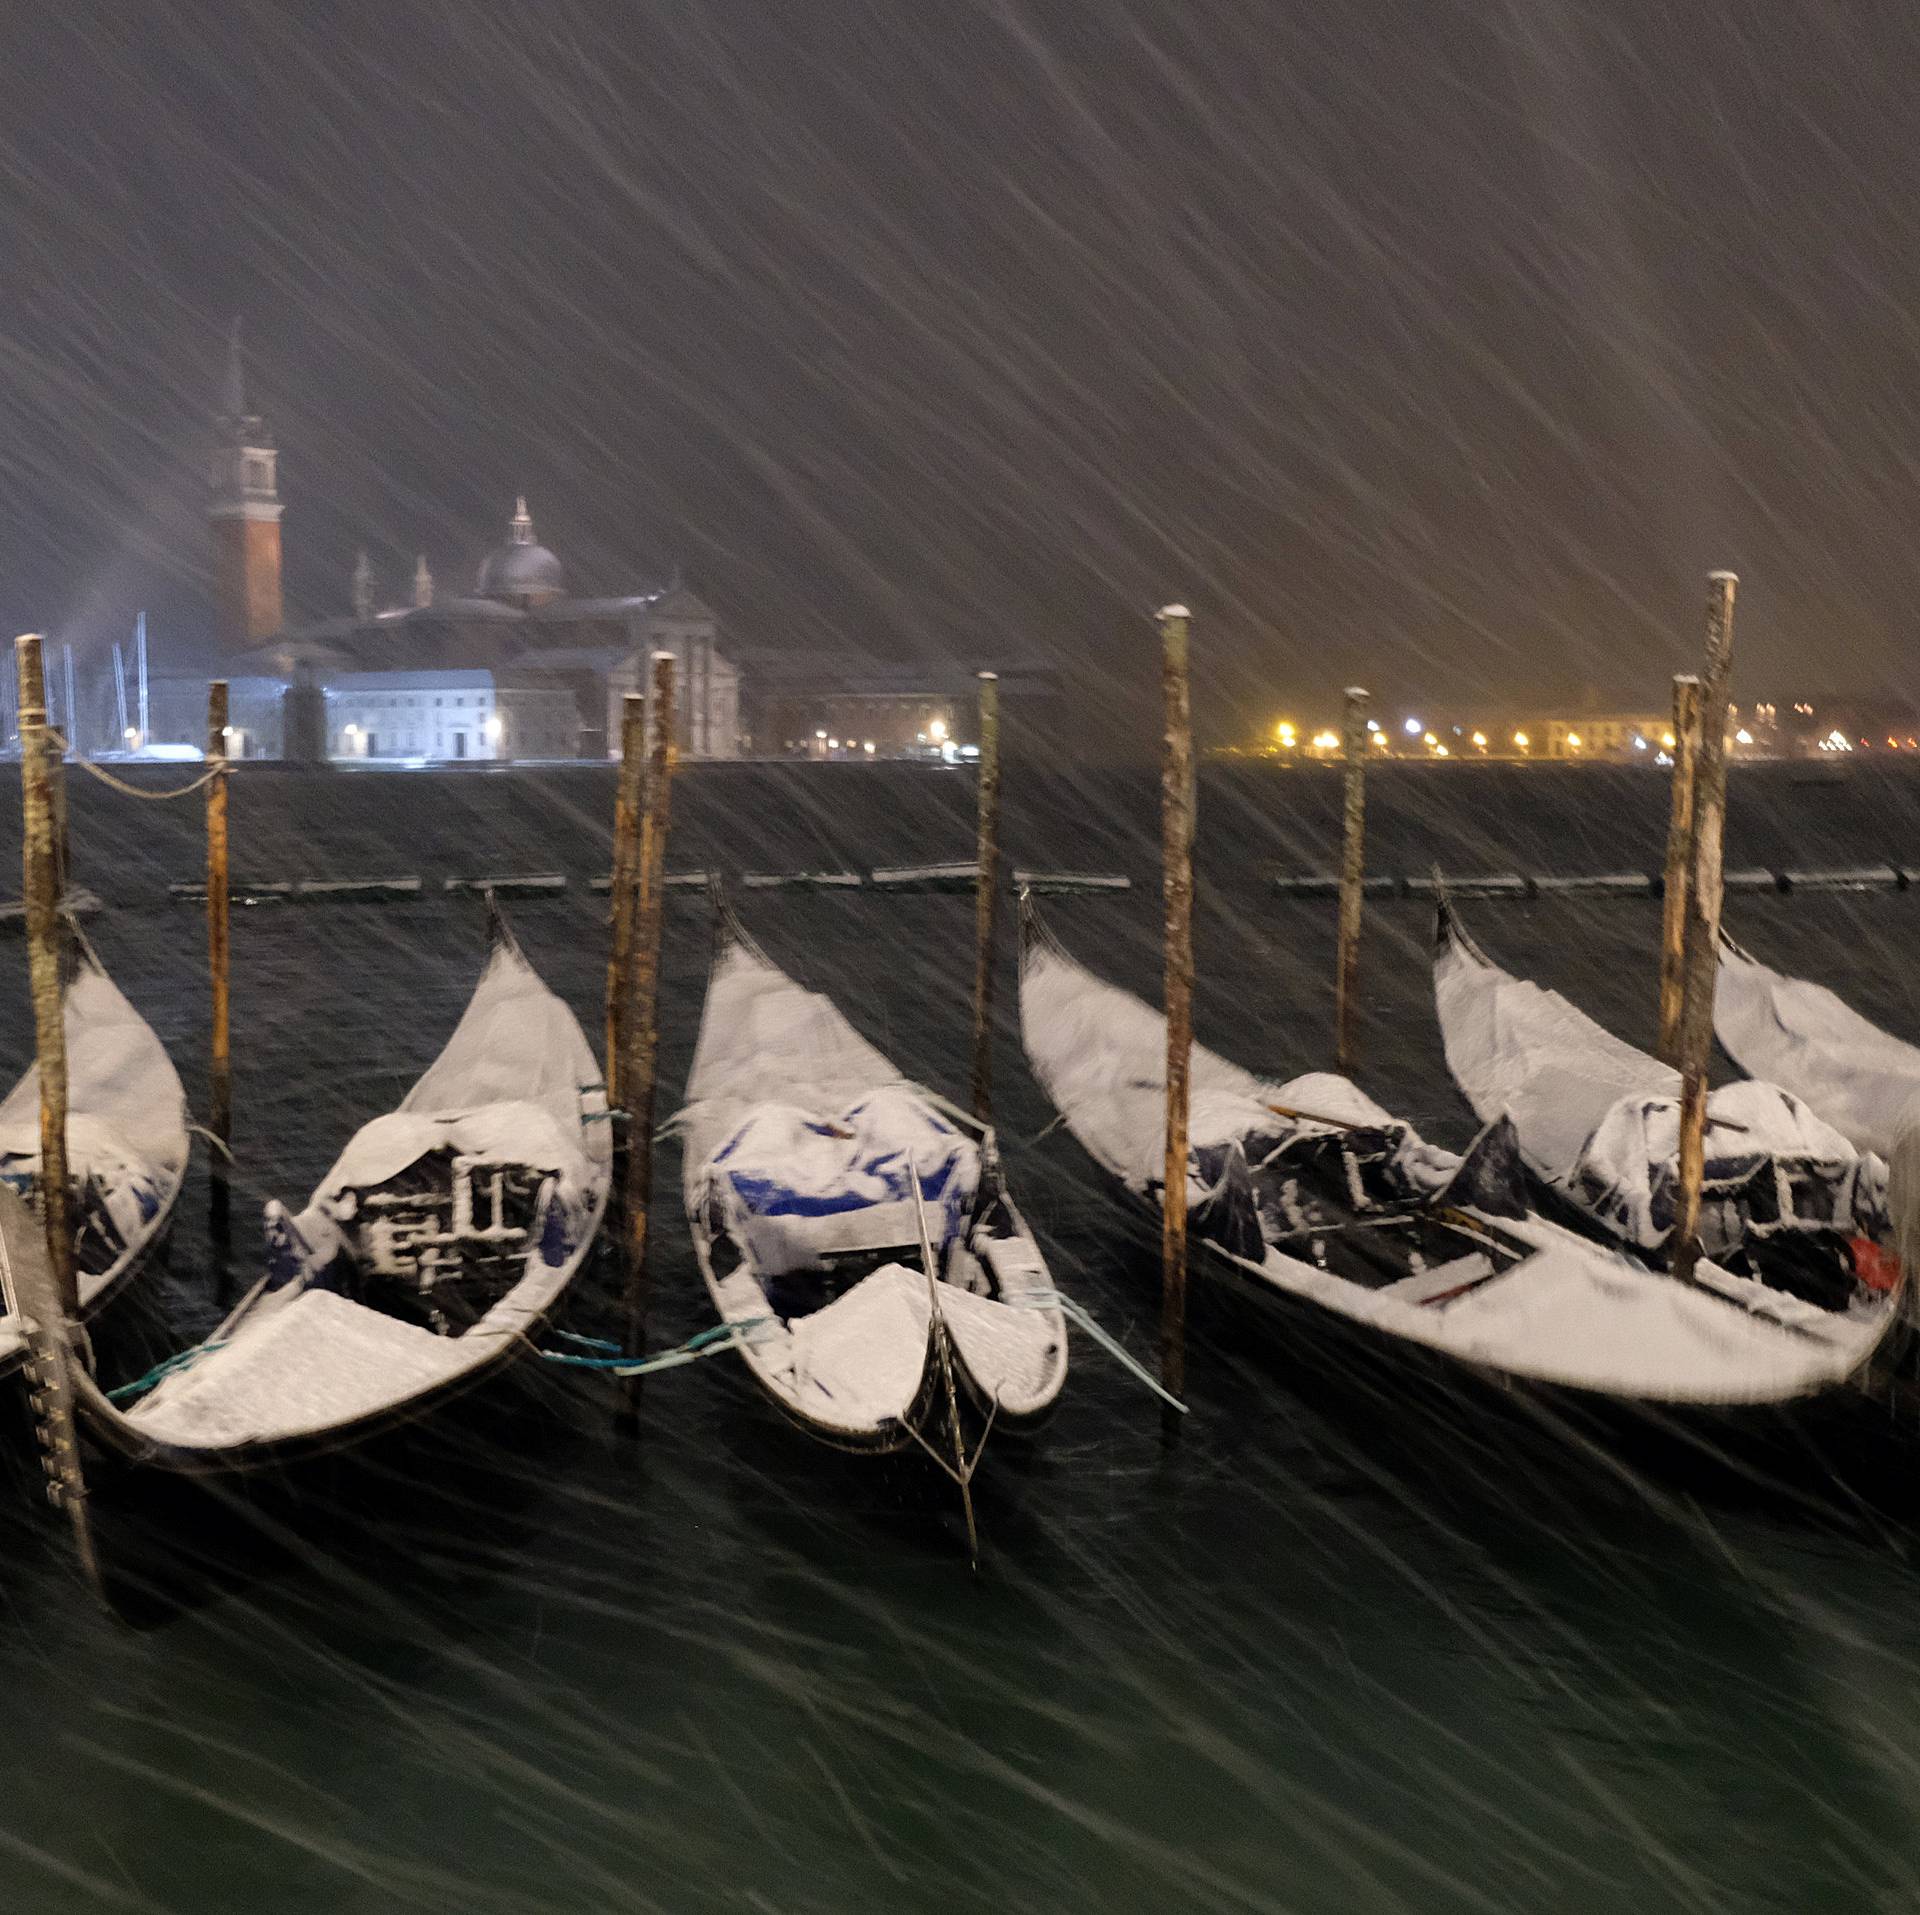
(436, 1244)
(803, 1145)
(1793, 1219)
(1864, 1081)
(126, 1136)
(1310, 1189)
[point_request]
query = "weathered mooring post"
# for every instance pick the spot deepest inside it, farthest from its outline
(1702, 957)
(638, 1075)
(625, 888)
(1176, 830)
(1353, 875)
(986, 904)
(219, 960)
(41, 1283)
(1687, 693)
(40, 890)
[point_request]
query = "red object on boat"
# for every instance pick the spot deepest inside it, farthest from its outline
(1878, 1269)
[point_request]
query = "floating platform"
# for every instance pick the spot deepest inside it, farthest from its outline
(1326, 884)
(239, 891)
(356, 890)
(1600, 884)
(676, 881)
(1487, 884)
(925, 877)
(1055, 884)
(1863, 877)
(543, 884)
(802, 881)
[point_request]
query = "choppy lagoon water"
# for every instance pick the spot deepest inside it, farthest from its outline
(1368, 1639)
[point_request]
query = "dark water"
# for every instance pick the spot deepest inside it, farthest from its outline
(1371, 1637)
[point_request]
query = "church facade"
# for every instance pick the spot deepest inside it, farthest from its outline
(519, 667)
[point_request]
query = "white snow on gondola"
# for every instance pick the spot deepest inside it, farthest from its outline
(1564, 1310)
(829, 1123)
(126, 1128)
(298, 1364)
(1600, 1118)
(1864, 1081)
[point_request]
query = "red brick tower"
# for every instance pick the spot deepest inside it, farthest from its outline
(245, 515)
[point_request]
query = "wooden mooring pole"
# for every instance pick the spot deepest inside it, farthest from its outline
(1687, 693)
(986, 905)
(625, 887)
(1702, 953)
(1176, 828)
(41, 1284)
(1353, 872)
(638, 1074)
(219, 925)
(40, 889)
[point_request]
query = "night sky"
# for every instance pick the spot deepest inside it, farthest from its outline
(1442, 347)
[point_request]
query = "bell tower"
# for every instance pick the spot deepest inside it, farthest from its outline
(244, 514)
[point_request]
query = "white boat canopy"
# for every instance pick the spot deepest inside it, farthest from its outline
(1521, 1296)
(1861, 1079)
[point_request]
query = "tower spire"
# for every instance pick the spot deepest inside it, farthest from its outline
(422, 583)
(521, 528)
(244, 510)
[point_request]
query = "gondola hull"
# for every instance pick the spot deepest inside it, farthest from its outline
(425, 1263)
(923, 1364)
(127, 1138)
(1536, 1302)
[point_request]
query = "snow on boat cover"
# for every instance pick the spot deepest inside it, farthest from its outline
(1356, 1214)
(1789, 1208)
(126, 1136)
(439, 1240)
(801, 1145)
(1801, 1036)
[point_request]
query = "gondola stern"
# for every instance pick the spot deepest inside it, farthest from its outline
(1037, 939)
(1450, 935)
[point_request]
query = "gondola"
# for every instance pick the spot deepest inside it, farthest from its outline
(1864, 1081)
(855, 1230)
(1311, 1191)
(126, 1136)
(434, 1247)
(1793, 1219)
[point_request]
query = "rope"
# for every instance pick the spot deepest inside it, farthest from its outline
(586, 1343)
(134, 791)
(219, 770)
(1085, 1320)
(160, 1371)
(716, 1341)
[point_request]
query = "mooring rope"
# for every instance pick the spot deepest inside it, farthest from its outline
(715, 1341)
(180, 1360)
(1085, 1320)
(134, 791)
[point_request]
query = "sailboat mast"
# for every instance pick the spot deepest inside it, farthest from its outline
(119, 697)
(140, 655)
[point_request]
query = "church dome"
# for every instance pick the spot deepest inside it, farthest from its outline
(521, 569)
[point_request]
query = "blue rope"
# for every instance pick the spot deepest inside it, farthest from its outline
(161, 1371)
(715, 1341)
(586, 1343)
